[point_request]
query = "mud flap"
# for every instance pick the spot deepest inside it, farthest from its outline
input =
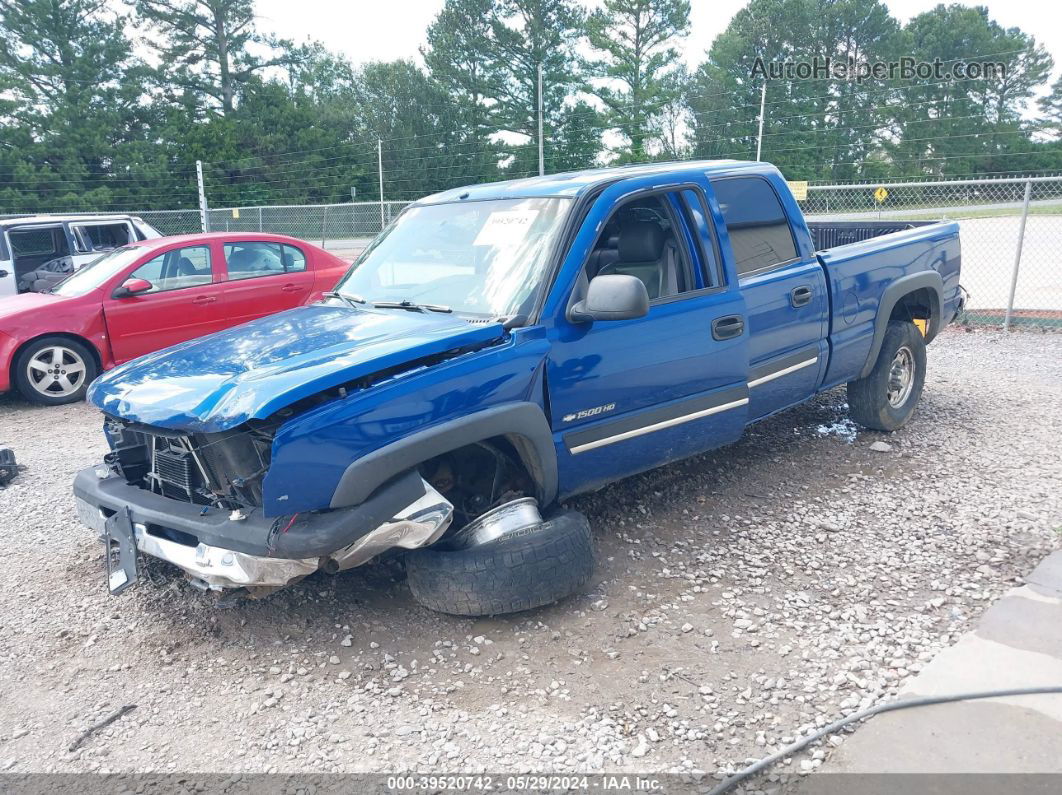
(119, 547)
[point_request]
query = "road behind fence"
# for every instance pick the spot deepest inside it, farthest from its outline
(1011, 232)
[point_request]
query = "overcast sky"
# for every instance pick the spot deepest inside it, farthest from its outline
(368, 31)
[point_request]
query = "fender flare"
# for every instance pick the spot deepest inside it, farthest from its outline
(524, 424)
(892, 295)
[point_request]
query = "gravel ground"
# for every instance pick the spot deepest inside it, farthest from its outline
(741, 598)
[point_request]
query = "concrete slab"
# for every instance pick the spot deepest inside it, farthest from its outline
(1018, 643)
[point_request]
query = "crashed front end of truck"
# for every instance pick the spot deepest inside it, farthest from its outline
(198, 505)
(196, 495)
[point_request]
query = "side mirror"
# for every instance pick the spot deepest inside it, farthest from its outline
(612, 297)
(132, 287)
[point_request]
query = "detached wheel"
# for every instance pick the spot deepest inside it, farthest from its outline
(54, 370)
(524, 569)
(886, 398)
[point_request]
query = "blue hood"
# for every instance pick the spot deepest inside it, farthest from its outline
(219, 381)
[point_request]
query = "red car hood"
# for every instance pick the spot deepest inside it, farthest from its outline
(15, 309)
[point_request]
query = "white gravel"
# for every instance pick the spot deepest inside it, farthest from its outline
(741, 598)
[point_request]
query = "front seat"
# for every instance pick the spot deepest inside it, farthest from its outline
(186, 268)
(642, 254)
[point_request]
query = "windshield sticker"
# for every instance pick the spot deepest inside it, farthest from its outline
(504, 227)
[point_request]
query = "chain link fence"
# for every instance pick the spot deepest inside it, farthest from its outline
(1010, 232)
(338, 227)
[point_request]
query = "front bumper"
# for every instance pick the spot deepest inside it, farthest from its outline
(258, 551)
(209, 566)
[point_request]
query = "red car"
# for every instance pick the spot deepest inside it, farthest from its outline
(149, 295)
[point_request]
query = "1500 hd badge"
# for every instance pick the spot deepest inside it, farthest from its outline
(586, 413)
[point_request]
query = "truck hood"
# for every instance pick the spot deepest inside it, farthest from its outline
(249, 372)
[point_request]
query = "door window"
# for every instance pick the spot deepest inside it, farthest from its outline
(177, 269)
(251, 260)
(294, 259)
(101, 237)
(641, 238)
(759, 231)
(704, 235)
(35, 242)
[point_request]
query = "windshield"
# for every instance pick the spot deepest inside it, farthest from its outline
(97, 272)
(484, 258)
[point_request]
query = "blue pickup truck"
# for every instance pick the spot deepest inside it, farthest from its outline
(496, 350)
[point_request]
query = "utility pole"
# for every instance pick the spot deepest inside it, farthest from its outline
(204, 211)
(379, 165)
(763, 102)
(541, 155)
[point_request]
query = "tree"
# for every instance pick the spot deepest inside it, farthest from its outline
(526, 35)
(488, 53)
(1051, 107)
(458, 55)
(638, 64)
(967, 126)
(814, 128)
(425, 147)
(205, 46)
(73, 129)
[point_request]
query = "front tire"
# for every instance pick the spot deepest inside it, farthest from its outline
(887, 397)
(55, 370)
(521, 570)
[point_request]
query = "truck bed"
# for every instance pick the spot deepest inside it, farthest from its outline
(863, 273)
(830, 234)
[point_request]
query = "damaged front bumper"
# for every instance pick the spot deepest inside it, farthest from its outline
(218, 552)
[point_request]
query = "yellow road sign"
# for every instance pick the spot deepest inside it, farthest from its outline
(881, 195)
(799, 189)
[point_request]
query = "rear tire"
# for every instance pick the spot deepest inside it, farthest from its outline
(887, 397)
(519, 571)
(54, 370)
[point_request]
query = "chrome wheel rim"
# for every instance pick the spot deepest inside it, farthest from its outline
(56, 371)
(901, 377)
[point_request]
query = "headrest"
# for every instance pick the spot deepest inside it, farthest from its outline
(640, 241)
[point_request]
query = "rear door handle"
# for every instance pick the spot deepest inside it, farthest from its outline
(800, 296)
(290, 288)
(204, 299)
(726, 328)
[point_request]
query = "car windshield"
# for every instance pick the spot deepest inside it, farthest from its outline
(481, 258)
(97, 272)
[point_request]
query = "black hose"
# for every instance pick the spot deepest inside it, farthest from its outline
(728, 784)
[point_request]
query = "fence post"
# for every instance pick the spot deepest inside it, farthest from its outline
(204, 210)
(324, 224)
(1017, 254)
(259, 219)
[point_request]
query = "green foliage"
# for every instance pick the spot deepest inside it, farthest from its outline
(204, 47)
(638, 64)
(487, 54)
(839, 130)
(86, 123)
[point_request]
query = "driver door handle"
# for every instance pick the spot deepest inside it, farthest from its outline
(204, 299)
(800, 296)
(726, 328)
(290, 288)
